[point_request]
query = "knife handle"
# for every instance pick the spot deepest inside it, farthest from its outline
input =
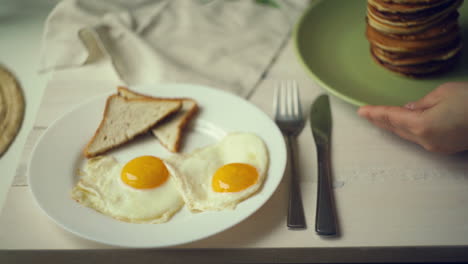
(325, 218)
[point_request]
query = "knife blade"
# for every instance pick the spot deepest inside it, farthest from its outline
(321, 125)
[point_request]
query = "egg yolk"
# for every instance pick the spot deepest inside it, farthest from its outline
(144, 172)
(234, 177)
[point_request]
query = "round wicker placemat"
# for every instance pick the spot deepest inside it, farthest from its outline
(12, 107)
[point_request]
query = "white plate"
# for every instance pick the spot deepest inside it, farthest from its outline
(57, 156)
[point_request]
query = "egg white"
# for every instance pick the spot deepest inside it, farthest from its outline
(193, 172)
(101, 188)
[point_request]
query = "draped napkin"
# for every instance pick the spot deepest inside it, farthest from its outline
(227, 44)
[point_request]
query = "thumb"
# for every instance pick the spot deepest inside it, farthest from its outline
(425, 102)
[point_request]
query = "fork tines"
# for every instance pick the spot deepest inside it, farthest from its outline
(286, 100)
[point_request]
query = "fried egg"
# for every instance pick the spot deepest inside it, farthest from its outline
(141, 191)
(221, 175)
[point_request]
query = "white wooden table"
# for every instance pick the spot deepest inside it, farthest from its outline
(20, 42)
(395, 201)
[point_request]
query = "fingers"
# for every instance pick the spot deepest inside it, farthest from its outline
(395, 119)
(428, 101)
(437, 121)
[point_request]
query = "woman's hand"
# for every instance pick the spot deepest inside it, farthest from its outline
(438, 121)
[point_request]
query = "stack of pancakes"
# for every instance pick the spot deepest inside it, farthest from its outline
(415, 38)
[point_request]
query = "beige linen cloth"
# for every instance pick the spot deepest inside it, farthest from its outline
(227, 44)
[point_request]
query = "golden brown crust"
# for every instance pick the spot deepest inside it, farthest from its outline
(387, 28)
(98, 130)
(413, 19)
(190, 114)
(404, 58)
(411, 2)
(406, 7)
(446, 26)
(419, 70)
(415, 43)
(121, 92)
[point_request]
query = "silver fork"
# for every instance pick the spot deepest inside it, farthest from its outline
(289, 118)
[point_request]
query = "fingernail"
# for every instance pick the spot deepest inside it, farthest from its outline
(361, 112)
(409, 106)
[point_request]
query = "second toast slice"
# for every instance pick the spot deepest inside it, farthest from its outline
(168, 132)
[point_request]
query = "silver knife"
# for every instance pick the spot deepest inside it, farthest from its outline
(321, 124)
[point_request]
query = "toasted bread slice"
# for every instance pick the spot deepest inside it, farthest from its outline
(126, 118)
(169, 132)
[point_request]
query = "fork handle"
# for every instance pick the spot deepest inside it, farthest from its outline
(325, 221)
(296, 218)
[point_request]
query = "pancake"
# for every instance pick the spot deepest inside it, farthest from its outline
(393, 29)
(414, 42)
(400, 59)
(405, 7)
(420, 70)
(415, 38)
(434, 31)
(412, 2)
(425, 16)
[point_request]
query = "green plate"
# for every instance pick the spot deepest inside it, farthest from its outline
(331, 43)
